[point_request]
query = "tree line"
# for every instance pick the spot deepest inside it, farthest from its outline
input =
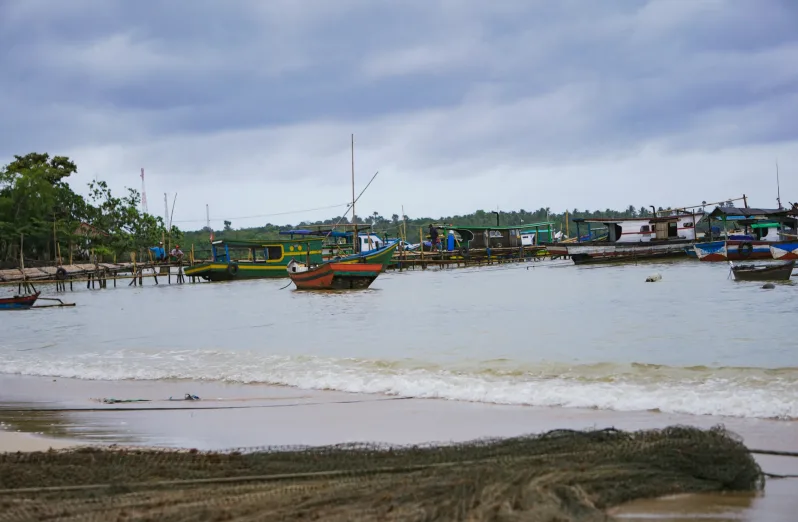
(43, 220)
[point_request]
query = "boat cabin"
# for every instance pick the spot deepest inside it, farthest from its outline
(533, 234)
(753, 224)
(643, 230)
(529, 234)
(478, 237)
(253, 251)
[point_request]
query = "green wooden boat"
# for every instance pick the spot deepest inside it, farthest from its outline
(382, 256)
(234, 260)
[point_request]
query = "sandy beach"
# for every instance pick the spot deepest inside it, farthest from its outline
(64, 412)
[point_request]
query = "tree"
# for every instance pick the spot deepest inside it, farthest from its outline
(227, 226)
(37, 202)
(52, 169)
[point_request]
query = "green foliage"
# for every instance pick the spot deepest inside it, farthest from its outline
(37, 204)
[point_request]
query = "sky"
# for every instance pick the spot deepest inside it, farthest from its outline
(249, 106)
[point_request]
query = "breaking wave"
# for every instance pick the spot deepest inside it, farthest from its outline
(698, 390)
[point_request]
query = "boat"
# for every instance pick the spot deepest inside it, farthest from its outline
(784, 251)
(769, 272)
(256, 260)
(18, 302)
(337, 245)
(334, 275)
(754, 235)
(380, 256)
(631, 239)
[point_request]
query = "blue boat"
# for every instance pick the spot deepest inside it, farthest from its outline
(784, 251)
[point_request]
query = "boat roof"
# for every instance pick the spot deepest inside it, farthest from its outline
(652, 219)
(323, 232)
(249, 243)
(500, 227)
(738, 213)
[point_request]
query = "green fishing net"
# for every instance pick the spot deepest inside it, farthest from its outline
(561, 475)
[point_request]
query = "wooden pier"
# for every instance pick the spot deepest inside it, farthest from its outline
(410, 260)
(95, 275)
(100, 274)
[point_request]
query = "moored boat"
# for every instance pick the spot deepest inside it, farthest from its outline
(334, 275)
(381, 256)
(748, 234)
(19, 302)
(734, 250)
(263, 259)
(767, 272)
(632, 239)
(784, 251)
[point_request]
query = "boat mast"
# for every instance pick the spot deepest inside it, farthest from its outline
(355, 239)
(778, 187)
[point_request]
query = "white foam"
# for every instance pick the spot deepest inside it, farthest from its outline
(726, 392)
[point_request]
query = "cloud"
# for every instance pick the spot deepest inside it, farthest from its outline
(459, 104)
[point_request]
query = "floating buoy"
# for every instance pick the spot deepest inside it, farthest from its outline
(653, 278)
(768, 286)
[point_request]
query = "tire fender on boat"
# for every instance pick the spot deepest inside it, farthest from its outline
(745, 249)
(232, 269)
(61, 273)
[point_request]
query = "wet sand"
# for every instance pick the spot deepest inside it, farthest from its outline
(68, 411)
(14, 441)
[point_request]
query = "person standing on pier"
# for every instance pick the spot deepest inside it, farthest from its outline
(158, 252)
(433, 237)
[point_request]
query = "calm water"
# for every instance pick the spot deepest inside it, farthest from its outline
(599, 337)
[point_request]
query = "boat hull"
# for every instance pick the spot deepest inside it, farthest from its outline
(778, 272)
(337, 276)
(734, 250)
(235, 271)
(784, 251)
(18, 302)
(602, 252)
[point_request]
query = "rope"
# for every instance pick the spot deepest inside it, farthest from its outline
(774, 452)
(774, 476)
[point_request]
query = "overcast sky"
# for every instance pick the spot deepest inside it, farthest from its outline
(248, 105)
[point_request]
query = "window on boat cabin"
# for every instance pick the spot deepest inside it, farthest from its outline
(673, 229)
(645, 229)
(273, 253)
(688, 224)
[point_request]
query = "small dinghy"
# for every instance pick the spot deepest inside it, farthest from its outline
(768, 272)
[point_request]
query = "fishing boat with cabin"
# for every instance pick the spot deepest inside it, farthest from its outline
(748, 234)
(249, 259)
(631, 239)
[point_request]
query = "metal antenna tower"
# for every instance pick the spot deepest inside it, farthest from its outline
(143, 194)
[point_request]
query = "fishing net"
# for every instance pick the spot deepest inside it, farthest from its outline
(561, 475)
